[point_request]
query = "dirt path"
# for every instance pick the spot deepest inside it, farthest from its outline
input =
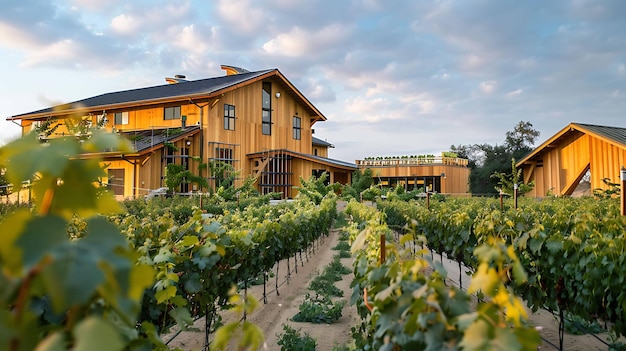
(279, 309)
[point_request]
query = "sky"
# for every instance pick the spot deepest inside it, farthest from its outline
(393, 78)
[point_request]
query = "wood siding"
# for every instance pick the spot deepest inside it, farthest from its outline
(558, 167)
(455, 180)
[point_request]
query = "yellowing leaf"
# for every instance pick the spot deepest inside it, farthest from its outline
(485, 279)
(165, 294)
(141, 277)
(476, 336)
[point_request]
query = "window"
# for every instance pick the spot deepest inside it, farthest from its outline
(267, 108)
(171, 112)
(121, 118)
(229, 117)
(297, 122)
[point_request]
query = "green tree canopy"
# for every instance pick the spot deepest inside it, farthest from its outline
(486, 160)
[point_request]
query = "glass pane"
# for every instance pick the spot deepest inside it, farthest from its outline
(267, 117)
(267, 128)
(267, 94)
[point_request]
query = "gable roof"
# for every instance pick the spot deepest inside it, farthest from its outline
(146, 140)
(185, 90)
(320, 142)
(612, 135)
(322, 160)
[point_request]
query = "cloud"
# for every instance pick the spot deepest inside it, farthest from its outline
(299, 42)
(125, 24)
(488, 87)
(514, 93)
(244, 16)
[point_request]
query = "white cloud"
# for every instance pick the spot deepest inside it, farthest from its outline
(488, 87)
(244, 16)
(61, 52)
(514, 93)
(188, 38)
(299, 42)
(125, 24)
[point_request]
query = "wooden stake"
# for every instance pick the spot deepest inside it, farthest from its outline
(383, 249)
(623, 190)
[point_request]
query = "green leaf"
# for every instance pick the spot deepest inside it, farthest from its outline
(41, 235)
(193, 283)
(95, 334)
(182, 317)
(188, 240)
(25, 157)
(73, 277)
(12, 228)
(505, 339)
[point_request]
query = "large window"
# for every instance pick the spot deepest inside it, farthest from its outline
(297, 128)
(172, 112)
(229, 117)
(121, 118)
(267, 108)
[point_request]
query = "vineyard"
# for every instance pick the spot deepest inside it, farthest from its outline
(88, 273)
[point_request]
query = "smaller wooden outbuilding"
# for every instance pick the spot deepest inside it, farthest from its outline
(441, 174)
(559, 164)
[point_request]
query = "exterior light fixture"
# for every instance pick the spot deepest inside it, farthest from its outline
(277, 95)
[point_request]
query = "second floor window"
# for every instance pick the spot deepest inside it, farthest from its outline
(172, 112)
(267, 108)
(229, 117)
(297, 129)
(121, 118)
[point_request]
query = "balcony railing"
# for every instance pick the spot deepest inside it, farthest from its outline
(413, 161)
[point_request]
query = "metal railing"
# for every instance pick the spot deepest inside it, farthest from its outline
(413, 161)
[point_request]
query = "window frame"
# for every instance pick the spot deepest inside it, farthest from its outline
(175, 114)
(123, 118)
(229, 120)
(297, 128)
(266, 107)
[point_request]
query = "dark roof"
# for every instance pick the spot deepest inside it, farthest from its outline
(616, 134)
(147, 139)
(613, 135)
(183, 89)
(320, 142)
(325, 160)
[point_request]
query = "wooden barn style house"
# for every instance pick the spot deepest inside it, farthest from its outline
(257, 122)
(446, 174)
(559, 164)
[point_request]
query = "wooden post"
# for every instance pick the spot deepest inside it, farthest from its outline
(623, 190)
(515, 194)
(383, 249)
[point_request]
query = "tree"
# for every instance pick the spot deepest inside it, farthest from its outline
(175, 175)
(486, 160)
(507, 181)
